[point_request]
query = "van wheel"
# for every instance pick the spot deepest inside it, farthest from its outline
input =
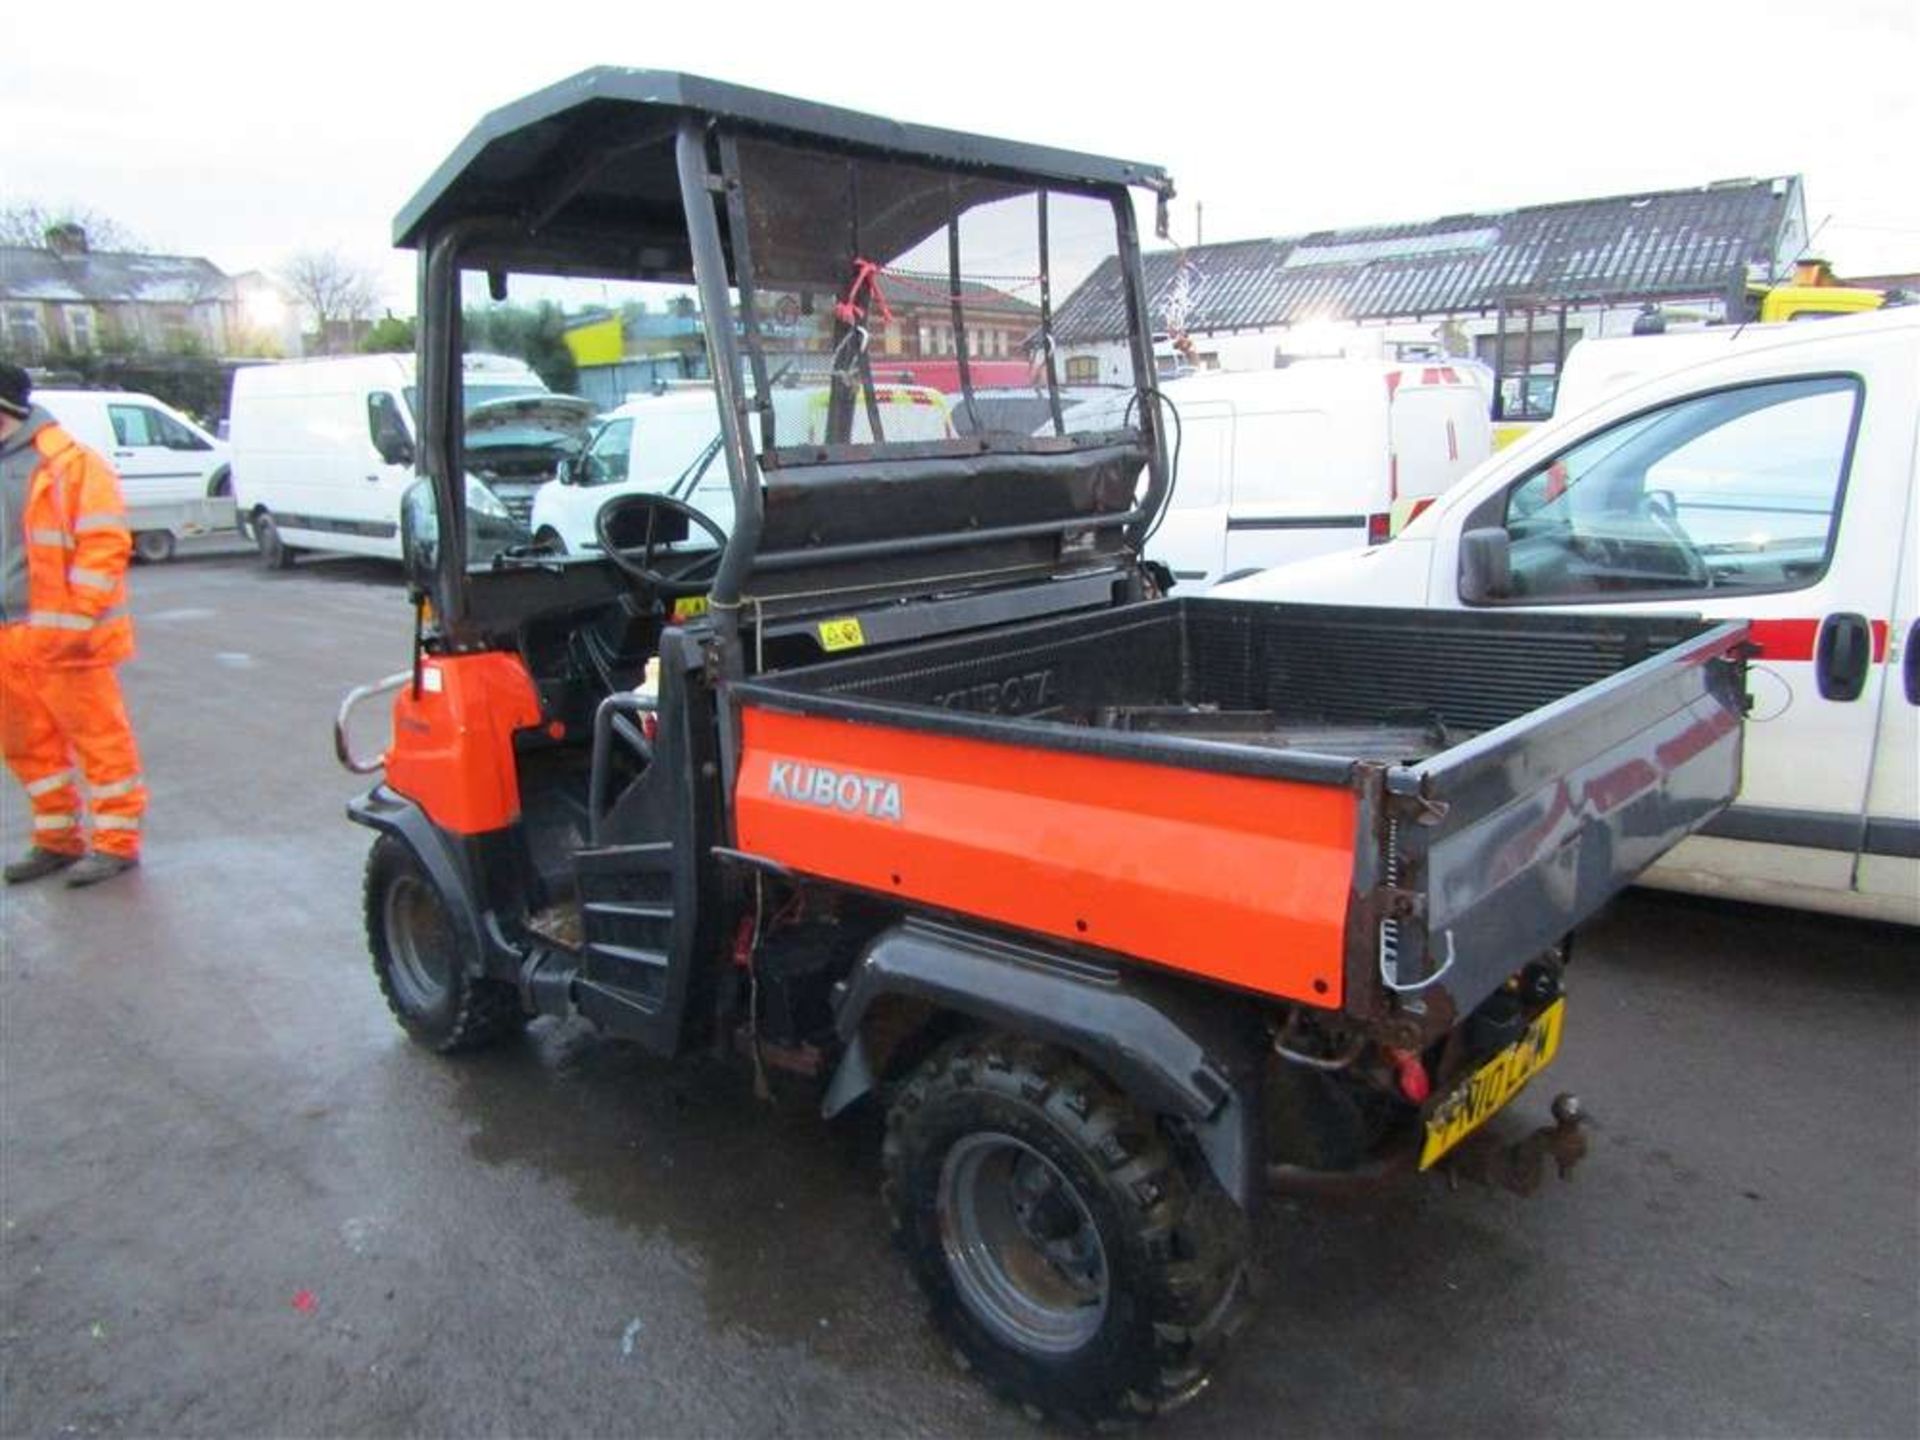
(155, 547)
(1079, 1265)
(275, 553)
(422, 962)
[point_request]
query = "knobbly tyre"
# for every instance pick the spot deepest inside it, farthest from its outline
(910, 784)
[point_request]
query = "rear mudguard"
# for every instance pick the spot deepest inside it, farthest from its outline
(1171, 1048)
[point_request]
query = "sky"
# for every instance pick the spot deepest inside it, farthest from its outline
(246, 132)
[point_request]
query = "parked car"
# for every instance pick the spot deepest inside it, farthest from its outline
(324, 449)
(666, 444)
(1281, 465)
(1774, 482)
(175, 477)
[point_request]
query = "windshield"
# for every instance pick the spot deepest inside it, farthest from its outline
(878, 310)
(869, 274)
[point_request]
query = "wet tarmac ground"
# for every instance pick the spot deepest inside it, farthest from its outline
(234, 1200)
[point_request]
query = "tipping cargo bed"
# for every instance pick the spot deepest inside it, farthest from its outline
(1346, 807)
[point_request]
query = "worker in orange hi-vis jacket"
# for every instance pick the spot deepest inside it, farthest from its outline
(64, 546)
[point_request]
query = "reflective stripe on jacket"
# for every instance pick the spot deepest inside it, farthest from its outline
(78, 546)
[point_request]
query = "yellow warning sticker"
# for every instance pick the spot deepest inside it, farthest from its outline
(687, 607)
(841, 634)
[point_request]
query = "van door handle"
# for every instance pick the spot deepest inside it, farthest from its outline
(373, 479)
(123, 454)
(1843, 656)
(1910, 664)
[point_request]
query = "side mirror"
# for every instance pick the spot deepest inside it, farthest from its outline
(394, 447)
(420, 537)
(564, 471)
(1486, 565)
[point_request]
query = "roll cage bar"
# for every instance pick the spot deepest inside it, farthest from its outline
(634, 175)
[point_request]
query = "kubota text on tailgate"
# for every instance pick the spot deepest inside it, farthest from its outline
(844, 790)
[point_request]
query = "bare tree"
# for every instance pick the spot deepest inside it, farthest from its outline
(333, 290)
(27, 223)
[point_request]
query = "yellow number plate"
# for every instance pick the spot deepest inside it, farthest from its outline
(841, 634)
(689, 606)
(1490, 1087)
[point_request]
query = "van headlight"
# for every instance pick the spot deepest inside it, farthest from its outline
(482, 501)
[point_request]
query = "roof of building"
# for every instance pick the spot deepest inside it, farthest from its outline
(104, 277)
(1669, 243)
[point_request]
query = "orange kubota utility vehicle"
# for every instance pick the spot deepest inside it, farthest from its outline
(901, 776)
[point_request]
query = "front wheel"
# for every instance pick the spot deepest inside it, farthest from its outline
(275, 553)
(423, 965)
(1080, 1266)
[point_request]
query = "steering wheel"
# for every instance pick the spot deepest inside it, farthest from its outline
(692, 575)
(1693, 564)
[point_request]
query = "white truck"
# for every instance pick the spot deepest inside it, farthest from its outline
(324, 449)
(1321, 455)
(1773, 482)
(174, 476)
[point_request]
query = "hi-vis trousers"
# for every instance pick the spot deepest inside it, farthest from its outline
(59, 726)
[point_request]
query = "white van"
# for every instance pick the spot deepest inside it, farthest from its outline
(1774, 483)
(1322, 455)
(174, 476)
(324, 449)
(666, 443)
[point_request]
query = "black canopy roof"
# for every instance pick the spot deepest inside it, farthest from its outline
(592, 158)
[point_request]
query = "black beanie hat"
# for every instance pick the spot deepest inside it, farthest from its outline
(16, 387)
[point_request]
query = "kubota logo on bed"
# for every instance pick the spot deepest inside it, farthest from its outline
(835, 790)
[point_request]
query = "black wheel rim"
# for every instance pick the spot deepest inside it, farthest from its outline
(1021, 1245)
(419, 944)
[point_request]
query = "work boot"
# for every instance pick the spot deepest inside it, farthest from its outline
(39, 862)
(97, 867)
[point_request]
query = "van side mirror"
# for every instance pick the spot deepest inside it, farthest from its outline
(564, 471)
(1486, 565)
(387, 430)
(420, 537)
(394, 447)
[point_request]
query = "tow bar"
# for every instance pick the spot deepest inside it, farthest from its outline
(1522, 1166)
(1519, 1166)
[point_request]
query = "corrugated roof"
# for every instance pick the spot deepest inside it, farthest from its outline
(107, 276)
(1667, 243)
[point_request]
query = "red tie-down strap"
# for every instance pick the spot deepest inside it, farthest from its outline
(866, 277)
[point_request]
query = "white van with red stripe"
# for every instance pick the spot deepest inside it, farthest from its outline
(1321, 455)
(1774, 482)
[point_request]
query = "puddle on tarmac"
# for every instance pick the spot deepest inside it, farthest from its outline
(779, 1209)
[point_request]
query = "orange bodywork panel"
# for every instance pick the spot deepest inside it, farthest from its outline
(1235, 878)
(452, 750)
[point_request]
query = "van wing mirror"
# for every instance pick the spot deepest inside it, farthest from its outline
(564, 471)
(394, 446)
(420, 537)
(1486, 565)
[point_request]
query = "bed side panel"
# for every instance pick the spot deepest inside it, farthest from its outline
(1234, 878)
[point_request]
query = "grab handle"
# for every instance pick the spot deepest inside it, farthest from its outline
(356, 697)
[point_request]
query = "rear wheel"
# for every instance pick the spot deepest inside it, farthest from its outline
(422, 961)
(275, 553)
(1080, 1266)
(155, 547)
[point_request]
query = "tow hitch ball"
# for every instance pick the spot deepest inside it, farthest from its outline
(1522, 1166)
